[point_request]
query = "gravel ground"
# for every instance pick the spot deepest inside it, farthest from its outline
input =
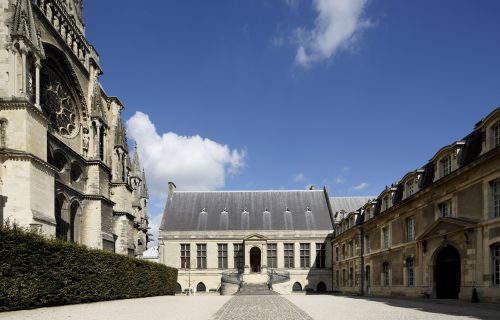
(164, 308)
(322, 307)
(294, 307)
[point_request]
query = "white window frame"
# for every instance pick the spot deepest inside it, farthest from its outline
(410, 229)
(410, 187)
(445, 211)
(445, 165)
(495, 198)
(385, 237)
(495, 133)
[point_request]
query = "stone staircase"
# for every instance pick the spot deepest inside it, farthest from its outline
(249, 289)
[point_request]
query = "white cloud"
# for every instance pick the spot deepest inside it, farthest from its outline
(360, 187)
(154, 223)
(192, 162)
(340, 180)
(299, 177)
(336, 27)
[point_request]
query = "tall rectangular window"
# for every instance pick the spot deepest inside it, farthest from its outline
(344, 278)
(336, 253)
(305, 255)
(343, 251)
(445, 166)
(320, 255)
(368, 244)
(201, 256)
(239, 256)
(495, 256)
(409, 188)
(495, 195)
(445, 209)
(337, 278)
(496, 135)
(368, 213)
(410, 229)
(410, 272)
(185, 256)
(351, 248)
(351, 277)
(272, 255)
(385, 237)
(289, 255)
(222, 255)
(385, 203)
(385, 274)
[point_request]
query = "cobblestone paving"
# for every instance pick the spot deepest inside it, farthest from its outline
(260, 308)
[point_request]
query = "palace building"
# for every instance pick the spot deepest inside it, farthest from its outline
(220, 240)
(435, 233)
(65, 167)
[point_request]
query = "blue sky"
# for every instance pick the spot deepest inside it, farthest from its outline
(382, 86)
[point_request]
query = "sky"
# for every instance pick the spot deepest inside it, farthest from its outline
(284, 94)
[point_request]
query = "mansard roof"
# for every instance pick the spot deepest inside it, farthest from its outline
(348, 204)
(266, 210)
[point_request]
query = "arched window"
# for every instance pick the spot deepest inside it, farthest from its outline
(3, 133)
(59, 160)
(410, 272)
(297, 287)
(178, 288)
(76, 172)
(321, 287)
(200, 287)
(75, 222)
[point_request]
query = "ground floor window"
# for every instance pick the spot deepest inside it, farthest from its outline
(201, 256)
(344, 278)
(410, 272)
(385, 274)
(496, 264)
(185, 256)
(289, 255)
(305, 255)
(320, 255)
(272, 256)
(239, 256)
(222, 255)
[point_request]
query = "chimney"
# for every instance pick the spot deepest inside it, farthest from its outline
(171, 190)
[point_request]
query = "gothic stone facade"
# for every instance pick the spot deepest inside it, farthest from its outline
(208, 235)
(435, 233)
(65, 168)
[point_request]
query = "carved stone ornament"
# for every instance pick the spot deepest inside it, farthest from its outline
(58, 104)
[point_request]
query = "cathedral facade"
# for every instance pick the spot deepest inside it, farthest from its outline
(65, 165)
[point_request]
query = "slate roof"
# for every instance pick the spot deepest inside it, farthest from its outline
(225, 210)
(348, 204)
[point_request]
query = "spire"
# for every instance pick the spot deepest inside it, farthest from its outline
(120, 135)
(136, 168)
(144, 189)
(23, 27)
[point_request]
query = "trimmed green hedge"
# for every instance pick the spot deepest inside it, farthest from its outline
(38, 272)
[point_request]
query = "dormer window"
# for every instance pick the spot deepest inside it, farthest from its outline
(385, 203)
(409, 187)
(368, 213)
(445, 166)
(496, 135)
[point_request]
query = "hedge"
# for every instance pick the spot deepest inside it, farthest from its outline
(38, 272)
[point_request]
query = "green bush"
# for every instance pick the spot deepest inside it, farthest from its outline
(38, 272)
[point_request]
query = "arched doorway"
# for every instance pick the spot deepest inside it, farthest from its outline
(297, 287)
(255, 259)
(200, 287)
(447, 273)
(75, 222)
(321, 287)
(178, 288)
(62, 219)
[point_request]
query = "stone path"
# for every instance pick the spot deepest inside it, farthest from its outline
(253, 307)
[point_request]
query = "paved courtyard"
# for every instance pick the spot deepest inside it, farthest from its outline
(295, 307)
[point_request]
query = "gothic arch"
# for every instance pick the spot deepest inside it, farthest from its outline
(57, 61)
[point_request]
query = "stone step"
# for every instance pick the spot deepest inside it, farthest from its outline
(255, 289)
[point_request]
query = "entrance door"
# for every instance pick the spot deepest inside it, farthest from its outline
(255, 259)
(447, 273)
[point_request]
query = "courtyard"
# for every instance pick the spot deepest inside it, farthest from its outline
(275, 307)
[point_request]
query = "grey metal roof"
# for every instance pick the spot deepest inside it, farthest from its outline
(348, 204)
(246, 210)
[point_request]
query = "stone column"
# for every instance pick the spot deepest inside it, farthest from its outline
(38, 66)
(15, 72)
(24, 68)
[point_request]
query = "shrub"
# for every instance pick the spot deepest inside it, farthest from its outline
(38, 272)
